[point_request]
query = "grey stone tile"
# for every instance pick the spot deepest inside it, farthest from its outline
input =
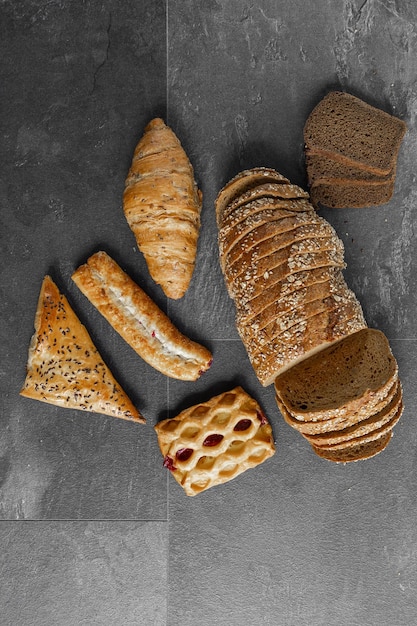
(299, 540)
(81, 80)
(75, 573)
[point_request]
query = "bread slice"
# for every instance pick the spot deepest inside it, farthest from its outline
(264, 192)
(340, 379)
(244, 289)
(276, 235)
(355, 452)
(304, 340)
(64, 367)
(316, 230)
(256, 337)
(329, 426)
(338, 194)
(252, 268)
(364, 430)
(321, 165)
(362, 134)
(213, 442)
(141, 323)
(242, 182)
(282, 206)
(228, 238)
(281, 293)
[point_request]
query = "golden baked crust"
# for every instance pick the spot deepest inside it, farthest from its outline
(64, 367)
(141, 323)
(213, 442)
(162, 205)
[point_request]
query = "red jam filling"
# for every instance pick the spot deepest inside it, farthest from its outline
(243, 425)
(169, 464)
(184, 454)
(261, 417)
(212, 440)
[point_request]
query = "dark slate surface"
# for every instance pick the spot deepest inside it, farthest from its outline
(93, 529)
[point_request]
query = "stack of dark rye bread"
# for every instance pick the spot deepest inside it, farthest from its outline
(336, 380)
(351, 151)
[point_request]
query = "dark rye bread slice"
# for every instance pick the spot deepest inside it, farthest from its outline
(262, 192)
(319, 165)
(303, 340)
(242, 182)
(340, 379)
(362, 134)
(307, 284)
(251, 267)
(369, 428)
(355, 452)
(336, 422)
(336, 195)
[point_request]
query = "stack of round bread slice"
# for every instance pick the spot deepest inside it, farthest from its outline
(283, 266)
(351, 151)
(346, 399)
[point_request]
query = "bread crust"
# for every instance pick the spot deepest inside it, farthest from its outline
(65, 368)
(327, 428)
(355, 452)
(137, 318)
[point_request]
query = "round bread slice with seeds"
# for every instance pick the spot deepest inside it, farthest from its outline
(238, 259)
(228, 238)
(265, 192)
(293, 301)
(240, 211)
(251, 266)
(254, 336)
(243, 288)
(280, 293)
(242, 182)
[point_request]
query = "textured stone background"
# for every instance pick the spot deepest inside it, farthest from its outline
(93, 530)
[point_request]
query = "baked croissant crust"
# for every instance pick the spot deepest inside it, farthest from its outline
(162, 205)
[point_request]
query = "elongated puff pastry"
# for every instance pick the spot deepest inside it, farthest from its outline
(213, 442)
(141, 323)
(64, 367)
(162, 205)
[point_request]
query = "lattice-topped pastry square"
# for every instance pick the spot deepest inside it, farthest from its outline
(213, 442)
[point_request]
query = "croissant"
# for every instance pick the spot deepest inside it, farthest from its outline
(162, 205)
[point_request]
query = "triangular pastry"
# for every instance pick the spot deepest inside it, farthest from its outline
(65, 368)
